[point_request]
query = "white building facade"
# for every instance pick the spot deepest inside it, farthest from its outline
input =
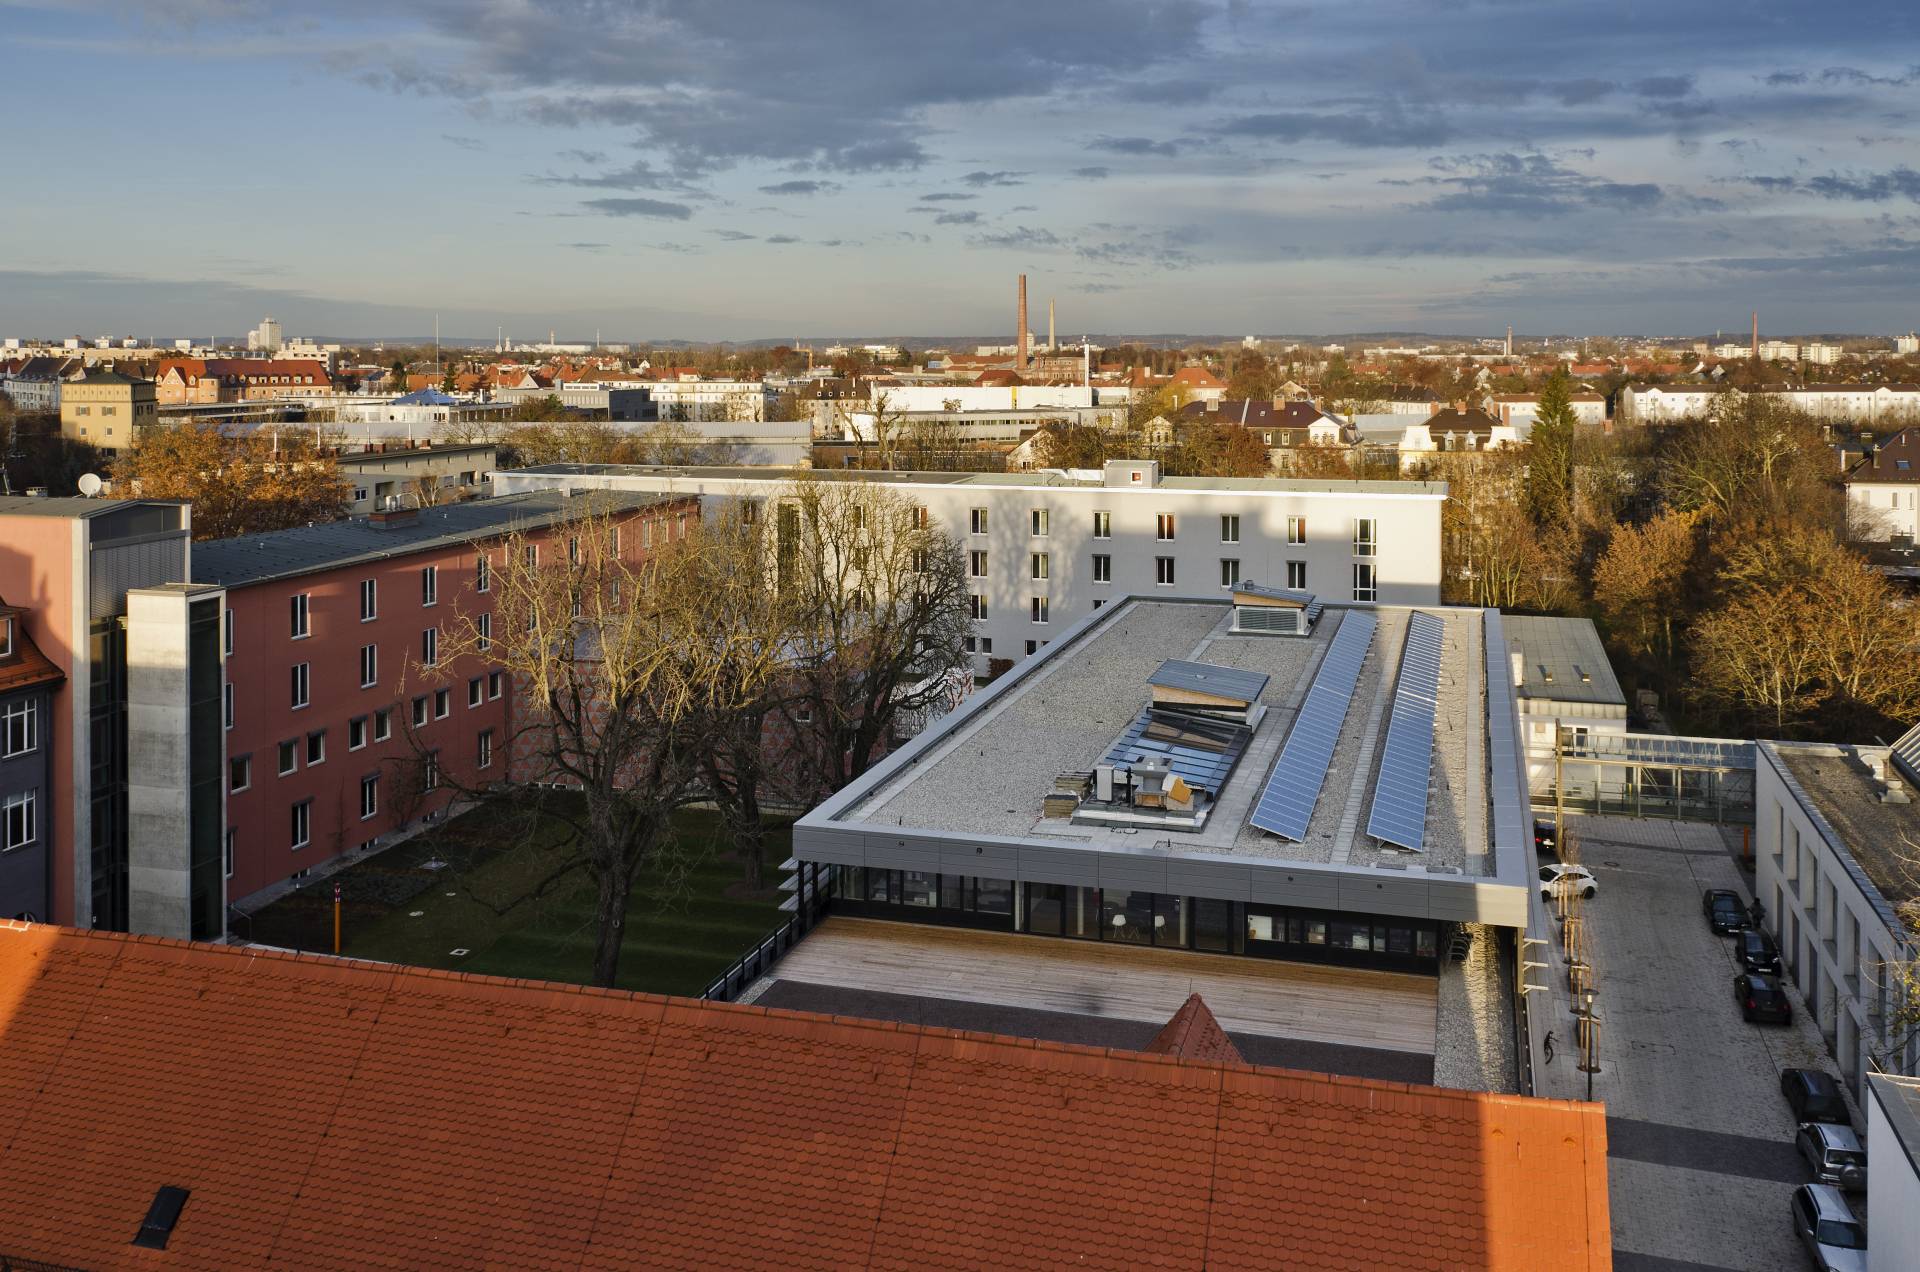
(1044, 549)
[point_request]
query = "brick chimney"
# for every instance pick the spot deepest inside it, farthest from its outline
(1020, 339)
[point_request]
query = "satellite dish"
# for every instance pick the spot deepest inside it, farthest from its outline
(90, 484)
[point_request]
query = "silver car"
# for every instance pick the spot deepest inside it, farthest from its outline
(1835, 1154)
(1826, 1226)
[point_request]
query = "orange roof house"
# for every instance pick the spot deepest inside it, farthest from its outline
(319, 1113)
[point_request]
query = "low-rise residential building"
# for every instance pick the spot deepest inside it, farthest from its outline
(1836, 833)
(27, 743)
(418, 475)
(1454, 430)
(1519, 410)
(1883, 490)
(107, 410)
(1046, 548)
(1562, 680)
(691, 401)
(1665, 403)
(202, 380)
(34, 383)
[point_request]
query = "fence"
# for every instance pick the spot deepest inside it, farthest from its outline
(812, 885)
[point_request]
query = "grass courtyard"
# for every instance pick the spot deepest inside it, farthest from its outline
(445, 898)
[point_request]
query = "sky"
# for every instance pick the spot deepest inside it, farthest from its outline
(752, 169)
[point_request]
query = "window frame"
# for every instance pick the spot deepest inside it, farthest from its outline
(300, 615)
(369, 600)
(1102, 568)
(369, 665)
(429, 586)
(369, 796)
(25, 714)
(1229, 527)
(27, 804)
(1164, 572)
(1164, 527)
(301, 688)
(242, 766)
(301, 829)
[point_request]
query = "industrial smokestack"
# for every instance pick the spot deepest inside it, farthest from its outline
(1020, 338)
(1509, 340)
(1756, 333)
(1050, 345)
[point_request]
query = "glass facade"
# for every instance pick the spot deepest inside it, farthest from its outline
(206, 809)
(1153, 919)
(107, 771)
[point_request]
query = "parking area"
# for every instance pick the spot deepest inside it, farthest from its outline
(1700, 1142)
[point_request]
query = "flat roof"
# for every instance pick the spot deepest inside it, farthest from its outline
(257, 558)
(1841, 787)
(741, 472)
(1569, 650)
(976, 782)
(69, 506)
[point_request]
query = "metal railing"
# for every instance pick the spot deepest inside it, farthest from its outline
(814, 885)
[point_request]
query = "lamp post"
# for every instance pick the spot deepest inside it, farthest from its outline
(1589, 1040)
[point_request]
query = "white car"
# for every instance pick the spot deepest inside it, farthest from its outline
(1575, 878)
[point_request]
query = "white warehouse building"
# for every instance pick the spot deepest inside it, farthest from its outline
(1046, 548)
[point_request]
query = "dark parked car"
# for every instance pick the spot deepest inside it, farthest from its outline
(1754, 950)
(1814, 1096)
(1725, 914)
(1545, 842)
(1762, 999)
(1835, 1154)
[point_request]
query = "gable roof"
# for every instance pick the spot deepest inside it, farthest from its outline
(26, 667)
(1895, 460)
(1255, 413)
(1194, 1034)
(1196, 378)
(327, 1113)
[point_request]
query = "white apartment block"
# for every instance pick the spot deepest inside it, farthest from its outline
(1883, 490)
(700, 401)
(1664, 403)
(1521, 409)
(1833, 830)
(976, 397)
(1819, 354)
(1907, 344)
(1868, 404)
(1045, 549)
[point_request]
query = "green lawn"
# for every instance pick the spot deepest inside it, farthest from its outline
(684, 926)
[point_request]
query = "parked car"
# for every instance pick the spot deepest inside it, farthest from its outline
(1578, 878)
(1814, 1096)
(1835, 1154)
(1545, 842)
(1826, 1227)
(1762, 999)
(1725, 914)
(1754, 950)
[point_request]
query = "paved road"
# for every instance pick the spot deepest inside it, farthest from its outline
(1700, 1144)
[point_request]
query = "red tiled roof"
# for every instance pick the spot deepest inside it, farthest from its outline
(326, 1114)
(26, 666)
(1193, 1034)
(1197, 378)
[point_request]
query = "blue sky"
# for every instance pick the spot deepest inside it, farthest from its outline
(713, 169)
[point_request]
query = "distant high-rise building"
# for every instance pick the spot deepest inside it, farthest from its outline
(265, 338)
(1909, 343)
(1020, 337)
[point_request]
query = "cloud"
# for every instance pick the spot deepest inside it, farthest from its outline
(979, 180)
(733, 236)
(656, 208)
(1022, 238)
(968, 217)
(588, 157)
(782, 238)
(638, 175)
(1093, 174)
(1529, 184)
(800, 187)
(465, 143)
(586, 247)
(1871, 187)
(947, 196)
(1347, 129)
(1664, 86)
(1133, 146)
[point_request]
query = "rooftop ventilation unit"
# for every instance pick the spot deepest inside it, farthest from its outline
(1259, 610)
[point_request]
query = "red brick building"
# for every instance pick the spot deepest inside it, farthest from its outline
(327, 629)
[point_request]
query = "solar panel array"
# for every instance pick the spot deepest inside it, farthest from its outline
(1906, 754)
(1203, 753)
(1399, 813)
(1286, 805)
(1507, 784)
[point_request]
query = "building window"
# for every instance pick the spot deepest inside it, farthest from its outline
(1229, 571)
(359, 496)
(530, 556)
(300, 685)
(1296, 529)
(316, 748)
(1363, 585)
(383, 724)
(1039, 523)
(977, 520)
(484, 759)
(369, 795)
(289, 758)
(1297, 575)
(1163, 571)
(977, 564)
(302, 823)
(429, 585)
(496, 682)
(1033, 646)
(22, 727)
(369, 600)
(971, 644)
(227, 635)
(356, 733)
(1039, 609)
(1103, 525)
(978, 606)
(1365, 537)
(369, 665)
(430, 647)
(1230, 529)
(226, 702)
(430, 772)
(476, 692)
(573, 549)
(482, 574)
(23, 820)
(1102, 568)
(300, 604)
(1164, 527)
(483, 630)
(420, 711)
(1039, 565)
(239, 773)
(986, 644)
(442, 703)
(227, 855)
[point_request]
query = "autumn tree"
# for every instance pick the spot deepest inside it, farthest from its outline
(1751, 454)
(1550, 481)
(1491, 553)
(245, 484)
(1321, 460)
(1640, 583)
(1253, 377)
(878, 614)
(1064, 445)
(1204, 449)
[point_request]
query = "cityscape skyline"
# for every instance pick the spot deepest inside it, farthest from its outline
(657, 170)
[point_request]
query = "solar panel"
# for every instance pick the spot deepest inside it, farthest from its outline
(1399, 813)
(1286, 805)
(1203, 753)
(1507, 782)
(1906, 754)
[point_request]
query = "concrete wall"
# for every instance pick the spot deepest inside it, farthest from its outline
(1831, 925)
(159, 760)
(1407, 562)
